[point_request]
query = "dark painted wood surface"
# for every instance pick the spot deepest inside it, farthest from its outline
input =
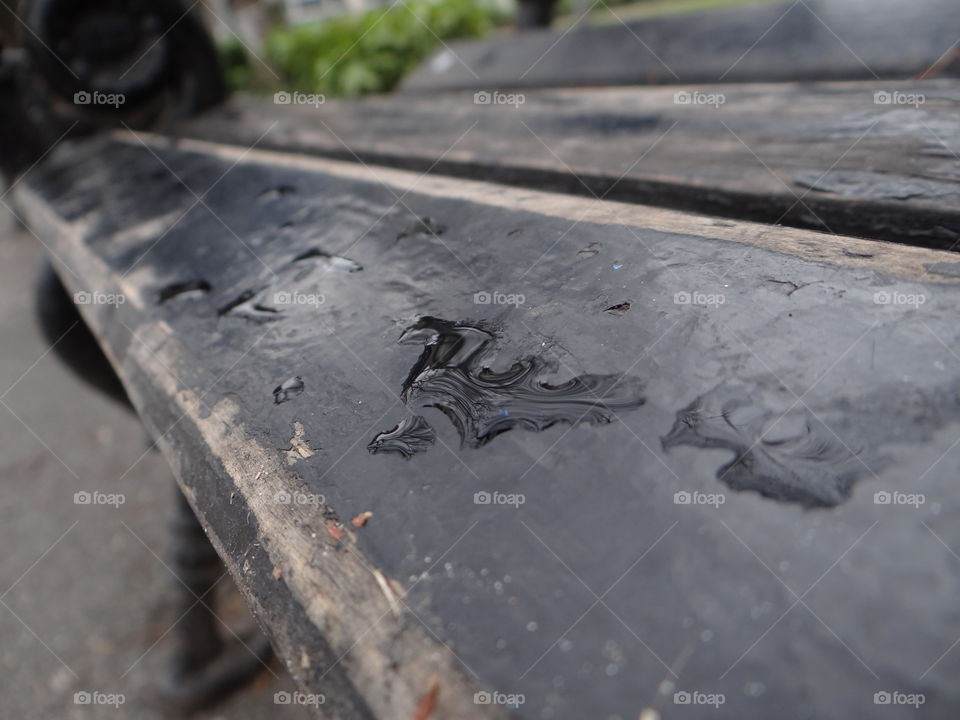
(780, 42)
(642, 562)
(850, 158)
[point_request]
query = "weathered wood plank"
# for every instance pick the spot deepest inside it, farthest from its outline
(787, 41)
(826, 365)
(823, 157)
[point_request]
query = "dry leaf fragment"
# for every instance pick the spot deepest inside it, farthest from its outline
(361, 519)
(428, 702)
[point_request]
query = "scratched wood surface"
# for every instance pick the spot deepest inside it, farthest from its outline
(764, 506)
(833, 157)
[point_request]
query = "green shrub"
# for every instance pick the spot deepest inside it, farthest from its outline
(370, 53)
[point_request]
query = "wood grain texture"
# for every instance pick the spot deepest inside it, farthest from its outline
(826, 157)
(810, 331)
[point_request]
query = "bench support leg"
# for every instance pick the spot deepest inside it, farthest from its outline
(205, 666)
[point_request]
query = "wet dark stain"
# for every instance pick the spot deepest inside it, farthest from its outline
(589, 251)
(603, 123)
(619, 309)
(287, 389)
(257, 309)
(236, 302)
(451, 376)
(515, 231)
(791, 458)
(411, 436)
(425, 225)
(190, 288)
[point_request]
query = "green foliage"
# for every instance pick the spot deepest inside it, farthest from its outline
(370, 53)
(236, 64)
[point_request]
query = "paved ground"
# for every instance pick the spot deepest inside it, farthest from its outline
(85, 600)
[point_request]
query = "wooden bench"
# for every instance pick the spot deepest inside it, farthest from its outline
(657, 452)
(602, 403)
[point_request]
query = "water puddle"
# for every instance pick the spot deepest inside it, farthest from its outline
(293, 286)
(411, 436)
(451, 376)
(288, 389)
(792, 457)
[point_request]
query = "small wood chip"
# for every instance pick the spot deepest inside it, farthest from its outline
(277, 573)
(336, 532)
(428, 702)
(299, 449)
(361, 519)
